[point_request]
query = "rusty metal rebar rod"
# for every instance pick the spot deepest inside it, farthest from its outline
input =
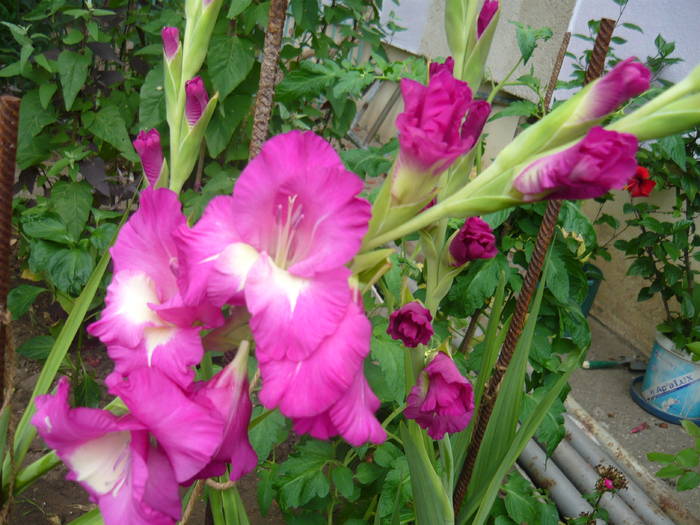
(9, 121)
(268, 75)
(522, 305)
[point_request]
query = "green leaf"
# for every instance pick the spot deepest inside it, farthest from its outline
(89, 518)
(226, 119)
(519, 108)
(271, 431)
(519, 501)
(237, 7)
(229, 60)
(33, 117)
(366, 473)
(385, 454)
(37, 348)
(670, 471)
(527, 38)
(389, 355)
(660, 457)
(48, 227)
(46, 93)
(302, 475)
(101, 239)
(342, 479)
(552, 430)
(674, 147)
(69, 270)
(305, 13)
(21, 298)
(72, 37)
(396, 488)
(633, 27)
(152, 97)
(87, 392)
(72, 202)
(688, 458)
(688, 481)
(109, 125)
(432, 503)
(691, 428)
(558, 277)
(72, 71)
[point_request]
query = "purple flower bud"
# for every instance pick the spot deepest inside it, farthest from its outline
(485, 16)
(432, 134)
(171, 41)
(627, 79)
(442, 400)
(147, 145)
(475, 240)
(196, 99)
(436, 67)
(602, 160)
(411, 324)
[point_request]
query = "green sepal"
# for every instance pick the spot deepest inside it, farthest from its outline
(368, 260)
(460, 27)
(472, 71)
(188, 151)
(197, 38)
(671, 119)
(433, 505)
(163, 177)
(172, 72)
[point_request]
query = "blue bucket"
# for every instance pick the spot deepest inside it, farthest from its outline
(672, 381)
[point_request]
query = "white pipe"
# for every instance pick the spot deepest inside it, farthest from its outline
(584, 478)
(634, 496)
(548, 476)
(658, 492)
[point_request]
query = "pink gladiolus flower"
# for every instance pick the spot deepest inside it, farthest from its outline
(145, 322)
(412, 324)
(431, 128)
(189, 433)
(226, 394)
(475, 240)
(196, 100)
(147, 145)
(485, 16)
(442, 400)
(129, 478)
(602, 160)
(280, 244)
(627, 79)
(171, 41)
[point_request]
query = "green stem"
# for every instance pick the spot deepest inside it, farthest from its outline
(503, 82)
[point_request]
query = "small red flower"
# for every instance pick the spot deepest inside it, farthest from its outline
(640, 185)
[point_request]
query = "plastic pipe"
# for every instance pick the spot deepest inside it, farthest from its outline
(634, 496)
(547, 475)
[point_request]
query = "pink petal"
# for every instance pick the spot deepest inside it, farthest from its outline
(227, 394)
(353, 414)
(308, 387)
(174, 351)
(230, 273)
(201, 245)
(291, 315)
(188, 433)
(299, 175)
(127, 312)
(145, 243)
